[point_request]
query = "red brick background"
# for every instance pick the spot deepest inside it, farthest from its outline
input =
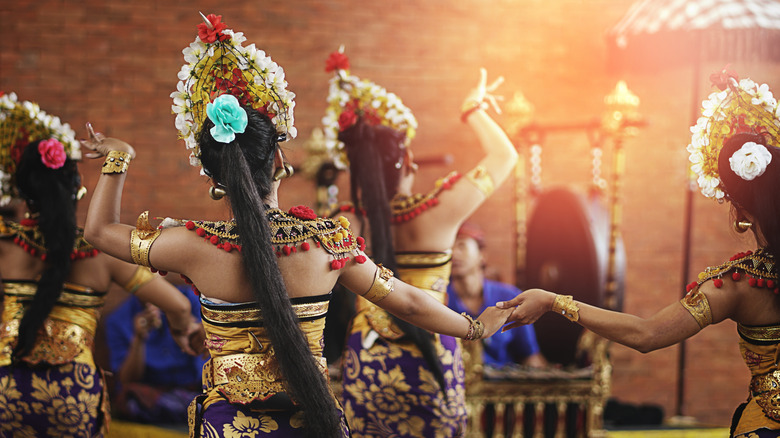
(114, 63)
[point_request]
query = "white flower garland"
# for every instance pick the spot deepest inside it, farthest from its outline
(346, 88)
(265, 84)
(744, 99)
(38, 125)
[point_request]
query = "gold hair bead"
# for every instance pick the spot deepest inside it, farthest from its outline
(116, 162)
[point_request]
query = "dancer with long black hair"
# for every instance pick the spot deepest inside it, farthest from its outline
(54, 284)
(400, 380)
(264, 276)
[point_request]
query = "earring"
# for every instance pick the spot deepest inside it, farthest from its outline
(285, 171)
(80, 194)
(217, 193)
(742, 226)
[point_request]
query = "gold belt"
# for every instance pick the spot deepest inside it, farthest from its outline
(257, 367)
(765, 388)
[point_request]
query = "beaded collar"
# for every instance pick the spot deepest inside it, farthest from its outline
(290, 231)
(405, 208)
(26, 235)
(757, 267)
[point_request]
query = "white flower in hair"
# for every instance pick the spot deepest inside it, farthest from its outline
(750, 161)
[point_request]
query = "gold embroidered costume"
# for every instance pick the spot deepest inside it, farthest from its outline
(56, 389)
(759, 345)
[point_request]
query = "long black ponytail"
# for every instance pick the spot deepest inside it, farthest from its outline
(244, 168)
(376, 154)
(49, 193)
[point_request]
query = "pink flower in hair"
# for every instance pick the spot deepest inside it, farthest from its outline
(52, 153)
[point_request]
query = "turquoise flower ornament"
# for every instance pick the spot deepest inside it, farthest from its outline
(228, 117)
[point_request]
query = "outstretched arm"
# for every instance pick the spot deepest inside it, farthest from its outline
(669, 326)
(415, 305)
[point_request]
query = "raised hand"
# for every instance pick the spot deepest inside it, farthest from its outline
(100, 145)
(483, 93)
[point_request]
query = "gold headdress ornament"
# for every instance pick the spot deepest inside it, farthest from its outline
(217, 63)
(350, 97)
(20, 124)
(740, 106)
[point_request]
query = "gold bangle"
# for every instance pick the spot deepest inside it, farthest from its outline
(141, 276)
(698, 306)
(480, 177)
(116, 162)
(476, 328)
(382, 286)
(141, 240)
(565, 305)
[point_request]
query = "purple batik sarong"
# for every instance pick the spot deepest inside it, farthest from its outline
(390, 392)
(63, 401)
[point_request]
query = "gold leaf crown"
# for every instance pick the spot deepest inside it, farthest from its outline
(218, 63)
(20, 124)
(740, 106)
(349, 98)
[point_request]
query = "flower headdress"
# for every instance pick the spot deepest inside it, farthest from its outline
(350, 97)
(217, 63)
(740, 106)
(22, 123)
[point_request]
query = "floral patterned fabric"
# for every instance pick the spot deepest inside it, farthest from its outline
(63, 401)
(389, 390)
(244, 392)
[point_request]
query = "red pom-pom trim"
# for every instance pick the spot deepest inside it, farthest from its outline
(770, 284)
(752, 282)
(736, 276)
(717, 282)
(305, 246)
(200, 232)
(214, 239)
(190, 225)
(286, 250)
(360, 259)
(335, 265)
(761, 282)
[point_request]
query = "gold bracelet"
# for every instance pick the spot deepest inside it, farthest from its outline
(116, 162)
(565, 305)
(382, 286)
(141, 240)
(141, 276)
(476, 328)
(698, 306)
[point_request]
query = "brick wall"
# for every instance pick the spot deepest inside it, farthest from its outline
(114, 64)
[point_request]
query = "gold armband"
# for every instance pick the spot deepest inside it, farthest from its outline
(476, 328)
(698, 306)
(382, 286)
(565, 305)
(116, 162)
(141, 276)
(141, 240)
(480, 177)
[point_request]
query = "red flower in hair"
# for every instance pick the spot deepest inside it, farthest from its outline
(722, 79)
(336, 61)
(52, 153)
(303, 212)
(210, 35)
(347, 118)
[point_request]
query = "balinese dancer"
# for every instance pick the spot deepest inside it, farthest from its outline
(54, 284)
(400, 380)
(734, 151)
(265, 276)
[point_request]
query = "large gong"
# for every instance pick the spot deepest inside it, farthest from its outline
(568, 253)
